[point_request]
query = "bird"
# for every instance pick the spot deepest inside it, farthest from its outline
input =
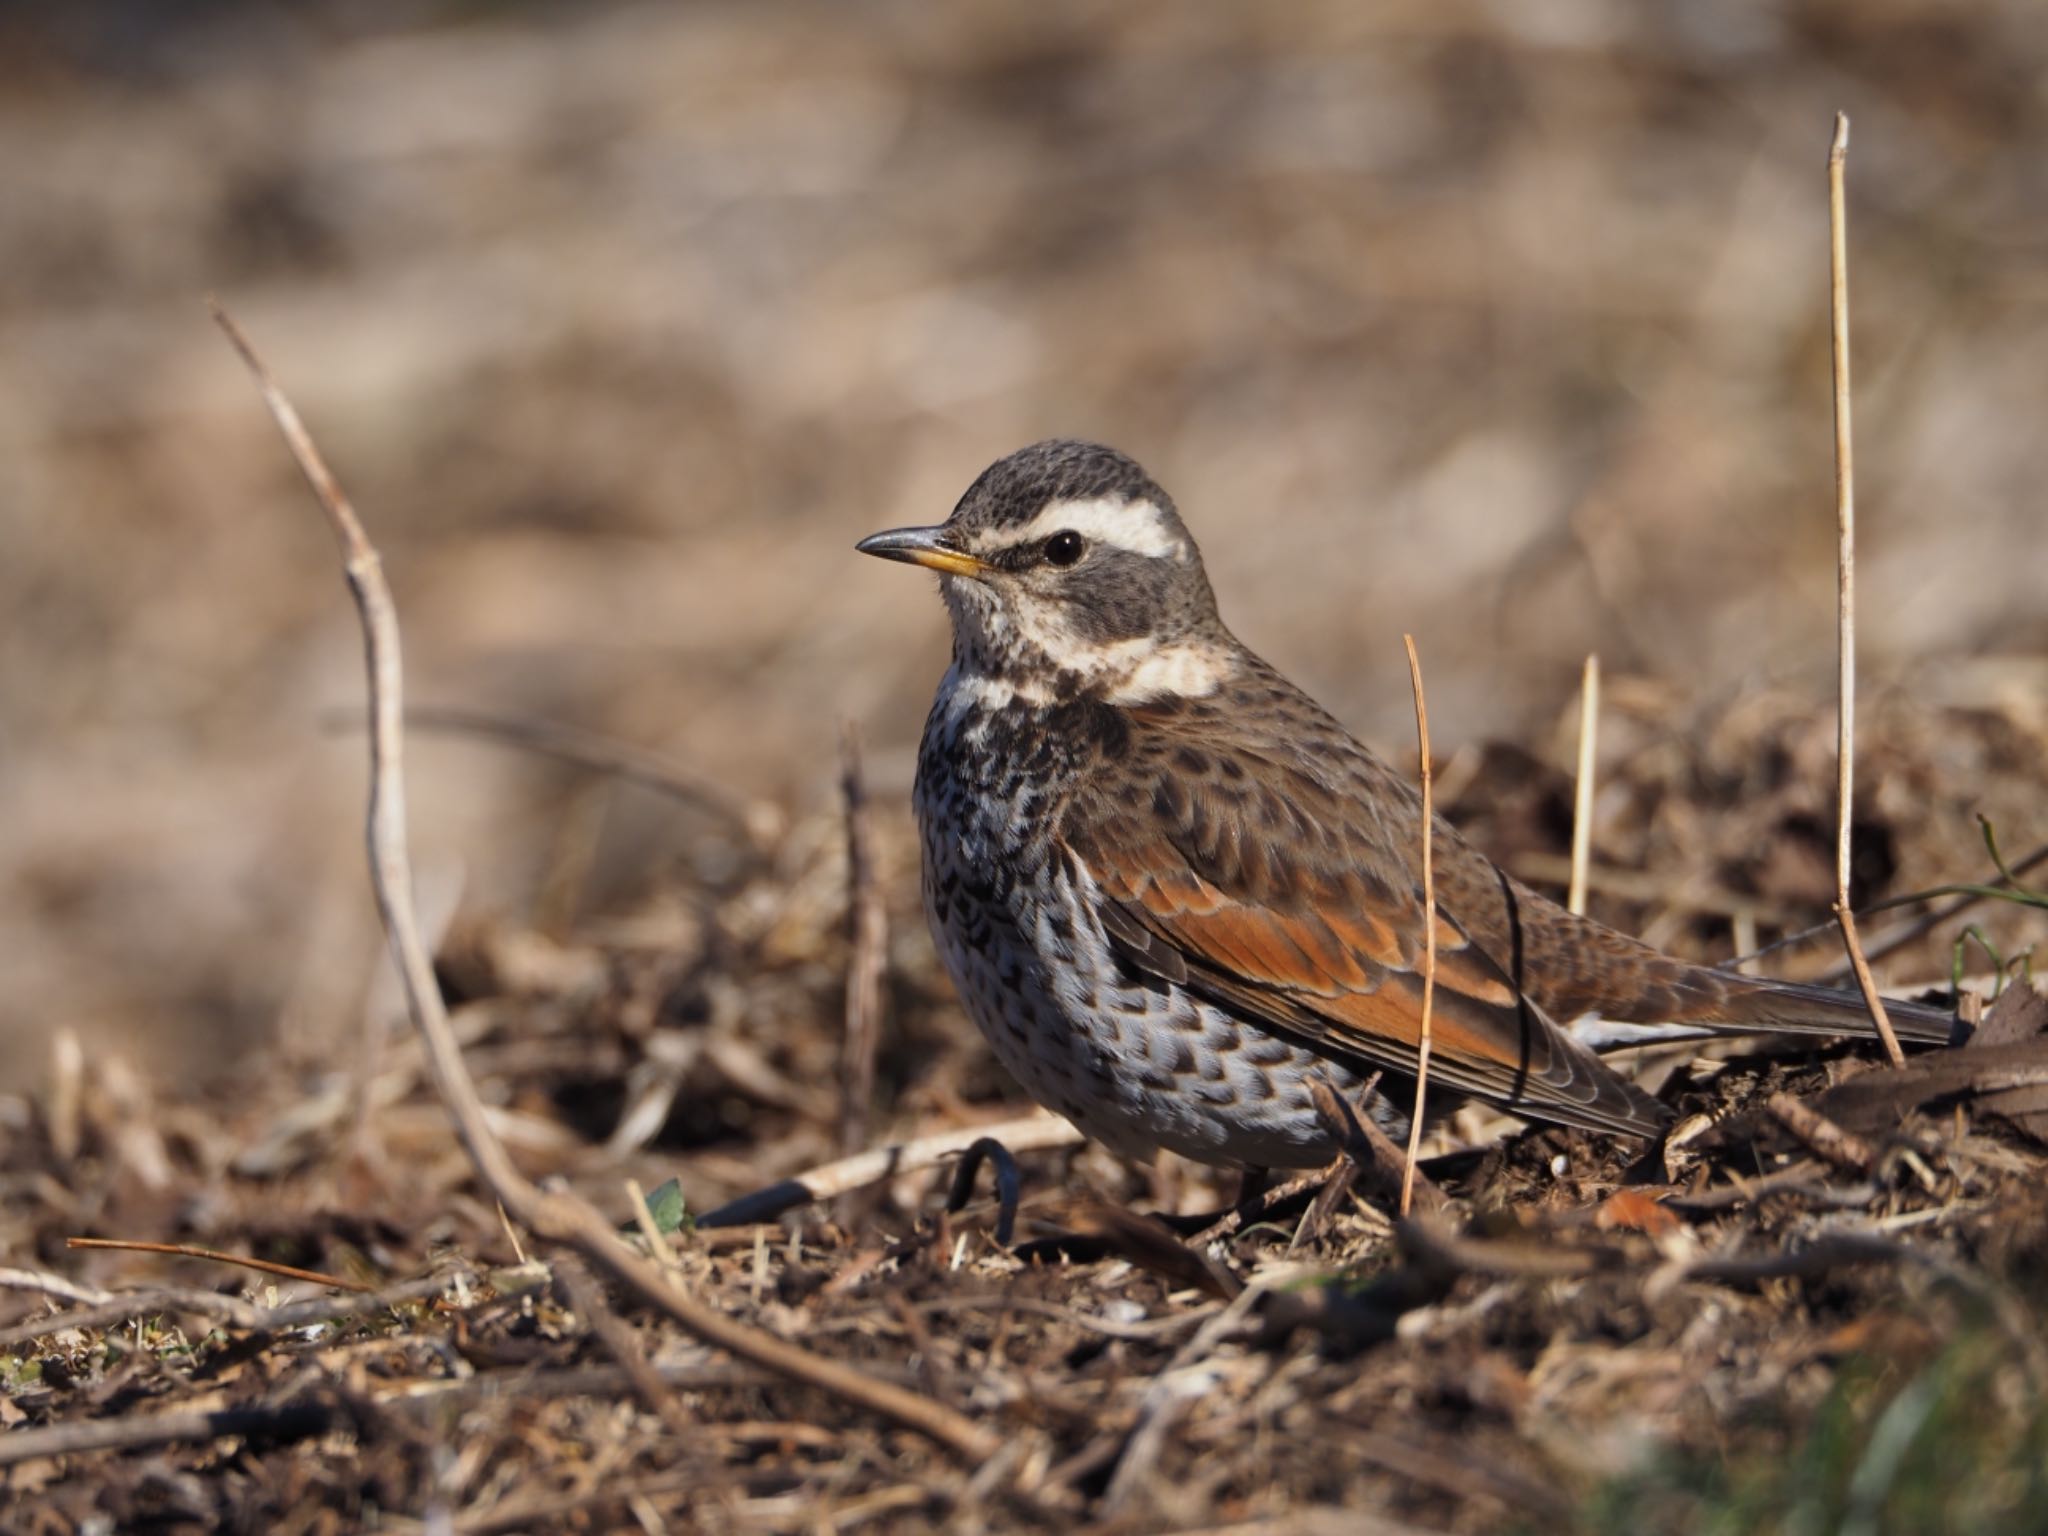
(1173, 891)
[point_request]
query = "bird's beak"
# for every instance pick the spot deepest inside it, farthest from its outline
(922, 546)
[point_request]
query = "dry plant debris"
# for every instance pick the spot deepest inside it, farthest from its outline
(1579, 1332)
(1817, 1305)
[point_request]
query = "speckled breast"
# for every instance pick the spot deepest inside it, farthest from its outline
(1135, 1062)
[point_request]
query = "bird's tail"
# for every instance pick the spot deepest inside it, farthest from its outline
(1802, 1007)
(1706, 1002)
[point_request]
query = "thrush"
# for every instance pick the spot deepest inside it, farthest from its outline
(1172, 890)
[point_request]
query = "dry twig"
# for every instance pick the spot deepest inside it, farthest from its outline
(1905, 933)
(555, 1216)
(1820, 1135)
(610, 1330)
(868, 926)
(215, 1256)
(52, 1285)
(581, 749)
(137, 1431)
(1388, 1170)
(229, 1311)
(1845, 570)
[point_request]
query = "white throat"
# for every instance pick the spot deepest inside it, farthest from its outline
(1004, 655)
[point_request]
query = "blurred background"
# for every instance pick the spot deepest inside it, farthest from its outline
(1504, 324)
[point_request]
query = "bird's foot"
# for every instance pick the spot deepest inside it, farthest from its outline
(1009, 1185)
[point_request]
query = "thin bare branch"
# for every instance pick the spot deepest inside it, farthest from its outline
(229, 1311)
(581, 749)
(215, 1256)
(1845, 568)
(555, 1216)
(52, 1285)
(868, 926)
(1906, 933)
(1820, 1135)
(610, 1330)
(129, 1432)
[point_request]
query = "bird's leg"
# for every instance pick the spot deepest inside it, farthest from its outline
(1341, 1123)
(1362, 1149)
(1008, 1184)
(1258, 1196)
(1252, 1185)
(1336, 1180)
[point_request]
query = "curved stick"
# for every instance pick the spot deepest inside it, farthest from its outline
(557, 1216)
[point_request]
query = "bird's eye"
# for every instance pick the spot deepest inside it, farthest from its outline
(1065, 547)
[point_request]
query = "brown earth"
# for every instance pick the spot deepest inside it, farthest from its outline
(620, 323)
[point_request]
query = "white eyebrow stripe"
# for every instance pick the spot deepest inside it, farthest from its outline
(1136, 527)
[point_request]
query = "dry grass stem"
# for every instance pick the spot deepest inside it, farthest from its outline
(511, 1234)
(1897, 938)
(215, 1256)
(583, 749)
(1428, 927)
(658, 1245)
(1582, 786)
(1845, 608)
(868, 925)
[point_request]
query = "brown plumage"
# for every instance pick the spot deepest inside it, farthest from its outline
(1172, 888)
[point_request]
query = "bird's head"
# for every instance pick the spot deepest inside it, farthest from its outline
(1068, 572)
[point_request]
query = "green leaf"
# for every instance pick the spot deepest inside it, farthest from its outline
(666, 1206)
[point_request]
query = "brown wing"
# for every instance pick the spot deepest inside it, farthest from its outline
(1572, 967)
(1272, 889)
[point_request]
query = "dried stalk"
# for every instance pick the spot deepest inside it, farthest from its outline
(623, 1345)
(142, 1431)
(558, 1217)
(1845, 570)
(1582, 790)
(215, 1256)
(868, 926)
(585, 749)
(1428, 929)
(1819, 1134)
(228, 1311)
